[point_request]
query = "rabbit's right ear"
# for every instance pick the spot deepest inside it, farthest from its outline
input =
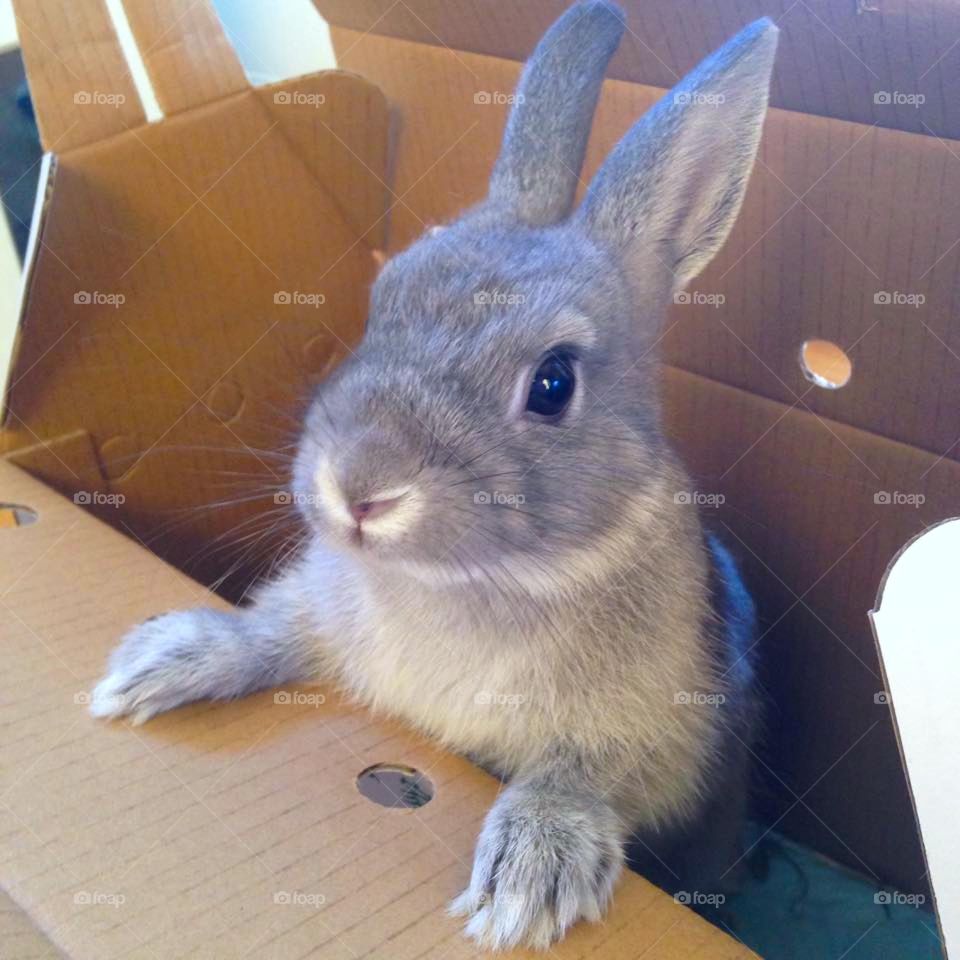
(675, 182)
(536, 175)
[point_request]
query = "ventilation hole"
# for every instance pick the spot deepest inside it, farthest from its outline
(395, 785)
(14, 515)
(825, 364)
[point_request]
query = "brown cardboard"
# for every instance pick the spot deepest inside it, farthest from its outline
(834, 59)
(189, 230)
(201, 219)
(232, 829)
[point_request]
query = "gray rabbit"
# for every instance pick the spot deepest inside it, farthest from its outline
(501, 553)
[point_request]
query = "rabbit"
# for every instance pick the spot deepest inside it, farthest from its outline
(501, 553)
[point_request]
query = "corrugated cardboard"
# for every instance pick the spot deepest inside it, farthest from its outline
(224, 830)
(865, 60)
(161, 409)
(202, 271)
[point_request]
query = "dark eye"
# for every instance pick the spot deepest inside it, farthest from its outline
(553, 385)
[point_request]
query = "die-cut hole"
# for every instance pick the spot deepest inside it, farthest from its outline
(395, 785)
(825, 364)
(16, 515)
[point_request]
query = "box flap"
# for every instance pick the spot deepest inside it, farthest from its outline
(246, 224)
(80, 83)
(186, 52)
(227, 829)
(892, 63)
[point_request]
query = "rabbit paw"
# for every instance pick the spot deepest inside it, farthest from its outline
(542, 863)
(165, 662)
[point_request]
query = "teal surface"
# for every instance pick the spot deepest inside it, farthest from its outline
(799, 906)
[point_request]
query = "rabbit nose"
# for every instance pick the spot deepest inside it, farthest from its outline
(368, 509)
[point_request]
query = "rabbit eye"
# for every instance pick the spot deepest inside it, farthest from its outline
(553, 385)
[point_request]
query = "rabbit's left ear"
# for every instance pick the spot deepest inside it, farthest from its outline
(676, 180)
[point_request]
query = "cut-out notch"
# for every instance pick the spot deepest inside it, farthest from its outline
(16, 515)
(825, 364)
(395, 785)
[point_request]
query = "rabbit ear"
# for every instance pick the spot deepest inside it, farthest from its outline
(536, 174)
(677, 179)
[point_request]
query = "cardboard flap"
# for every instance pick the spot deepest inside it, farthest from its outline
(240, 225)
(80, 83)
(892, 63)
(224, 830)
(915, 624)
(335, 122)
(186, 52)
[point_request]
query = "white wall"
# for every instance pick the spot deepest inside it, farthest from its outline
(276, 39)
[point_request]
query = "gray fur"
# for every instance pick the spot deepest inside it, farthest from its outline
(548, 636)
(536, 174)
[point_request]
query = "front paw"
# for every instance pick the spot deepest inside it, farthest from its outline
(160, 664)
(542, 863)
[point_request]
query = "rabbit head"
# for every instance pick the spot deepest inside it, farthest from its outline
(499, 418)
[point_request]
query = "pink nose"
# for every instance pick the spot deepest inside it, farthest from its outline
(368, 509)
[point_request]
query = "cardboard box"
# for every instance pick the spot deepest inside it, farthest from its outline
(242, 233)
